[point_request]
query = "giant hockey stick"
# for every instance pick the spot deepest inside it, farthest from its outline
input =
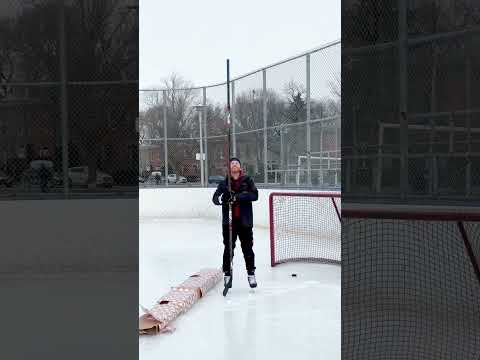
(229, 183)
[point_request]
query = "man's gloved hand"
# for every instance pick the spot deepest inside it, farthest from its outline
(233, 197)
(225, 197)
(229, 197)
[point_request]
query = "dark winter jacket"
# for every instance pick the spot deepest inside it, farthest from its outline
(247, 192)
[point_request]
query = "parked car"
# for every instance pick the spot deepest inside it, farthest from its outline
(156, 177)
(181, 180)
(172, 178)
(215, 179)
(79, 176)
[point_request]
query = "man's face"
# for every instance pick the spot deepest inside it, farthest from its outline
(234, 166)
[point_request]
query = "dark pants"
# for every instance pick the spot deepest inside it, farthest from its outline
(246, 241)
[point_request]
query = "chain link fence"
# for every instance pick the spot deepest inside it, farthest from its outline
(413, 78)
(68, 99)
(410, 135)
(285, 126)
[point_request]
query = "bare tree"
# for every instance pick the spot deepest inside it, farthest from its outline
(151, 114)
(249, 116)
(296, 98)
(99, 48)
(335, 86)
(180, 101)
(248, 110)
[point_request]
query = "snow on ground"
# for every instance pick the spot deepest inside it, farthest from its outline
(285, 317)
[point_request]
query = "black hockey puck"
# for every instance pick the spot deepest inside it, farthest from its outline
(294, 275)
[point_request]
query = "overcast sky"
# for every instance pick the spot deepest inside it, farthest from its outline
(195, 37)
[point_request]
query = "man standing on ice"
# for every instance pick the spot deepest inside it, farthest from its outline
(243, 193)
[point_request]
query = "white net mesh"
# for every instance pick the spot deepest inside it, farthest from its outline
(409, 284)
(305, 227)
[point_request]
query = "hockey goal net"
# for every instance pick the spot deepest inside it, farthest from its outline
(410, 282)
(304, 226)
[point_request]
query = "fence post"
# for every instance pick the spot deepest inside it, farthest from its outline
(202, 175)
(338, 151)
(284, 173)
(63, 99)
(309, 135)
(468, 100)
(265, 149)
(320, 171)
(165, 135)
(378, 179)
(205, 170)
(402, 75)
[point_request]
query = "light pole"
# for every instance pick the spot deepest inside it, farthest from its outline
(199, 109)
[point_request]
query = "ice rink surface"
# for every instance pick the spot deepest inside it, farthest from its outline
(285, 317)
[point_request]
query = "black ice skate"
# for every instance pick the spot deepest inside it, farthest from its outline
(252, 281)
(227, 281)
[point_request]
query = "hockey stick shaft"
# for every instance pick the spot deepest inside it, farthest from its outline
(229, 184)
